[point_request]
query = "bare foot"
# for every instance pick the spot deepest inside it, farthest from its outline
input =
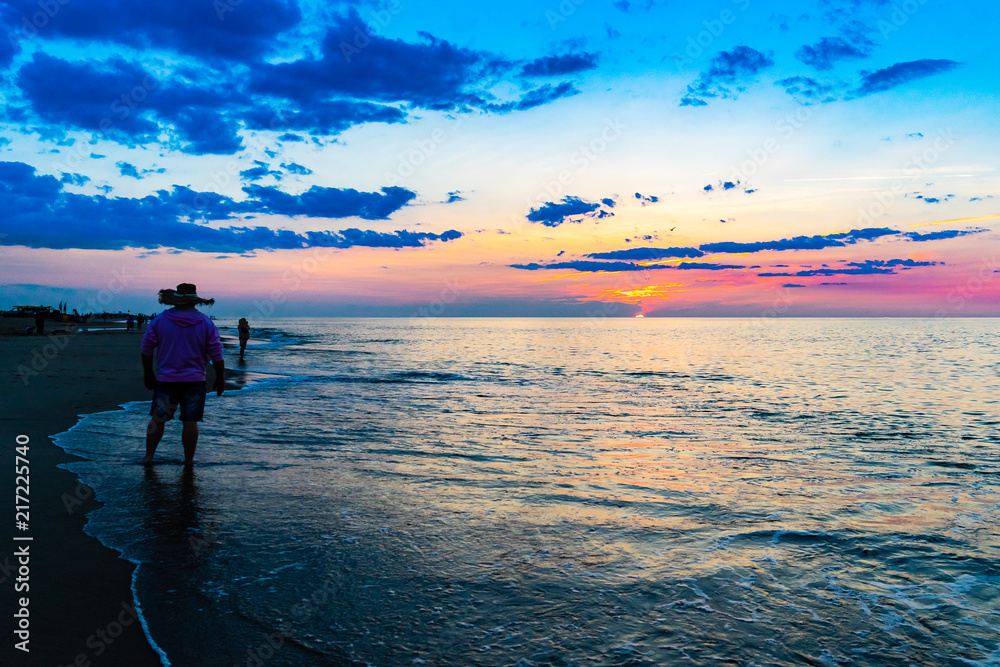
(146, 460)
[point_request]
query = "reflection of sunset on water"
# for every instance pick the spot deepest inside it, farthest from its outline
(585, 483)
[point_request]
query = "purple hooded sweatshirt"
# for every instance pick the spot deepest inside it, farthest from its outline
(184, 338)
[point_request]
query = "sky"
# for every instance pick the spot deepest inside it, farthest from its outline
(590, 158)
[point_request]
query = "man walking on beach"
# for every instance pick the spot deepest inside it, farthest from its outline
(183, 338)
(244, 330)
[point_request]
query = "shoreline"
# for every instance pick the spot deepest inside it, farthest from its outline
(81, 595)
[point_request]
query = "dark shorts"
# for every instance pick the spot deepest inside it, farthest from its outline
(168, 395)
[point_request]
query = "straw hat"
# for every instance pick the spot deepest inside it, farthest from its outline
(186, 294)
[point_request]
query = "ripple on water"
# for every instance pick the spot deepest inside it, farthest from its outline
(627, 503)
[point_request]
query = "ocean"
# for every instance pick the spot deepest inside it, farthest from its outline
(572, 492)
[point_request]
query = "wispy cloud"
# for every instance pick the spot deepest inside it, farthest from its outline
(727, 74)
(829, 50)
(553, 214)
(866, 268)
(570, 63)
(817, 242)
(900, 74)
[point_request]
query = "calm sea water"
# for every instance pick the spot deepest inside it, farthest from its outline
(568, 492)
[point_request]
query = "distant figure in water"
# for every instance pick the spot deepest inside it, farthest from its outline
(244, 328)
(183, 338)
(39, 324)
(129, 323)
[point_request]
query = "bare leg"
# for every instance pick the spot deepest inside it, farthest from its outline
(153, 434)
(189, 436)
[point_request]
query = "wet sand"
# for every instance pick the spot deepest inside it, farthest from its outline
(80, 598)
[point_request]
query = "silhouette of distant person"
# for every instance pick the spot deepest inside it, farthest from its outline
(183, 338)
(39, 324)
(244, 328)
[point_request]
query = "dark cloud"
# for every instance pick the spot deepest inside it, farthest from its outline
(89, 98)
(607, 201)
(792, 285)
(552, 214)
(321, 202)
(651, 199)
(647, 253)
(354, 76)
(594, 267)
(206, 131)
(934, 200)
(74, 179)
(319, 117)
(127, 169)
(901, 73)
(727, 73)
(295, 168)
(809, 91)
(708, 266)
(826, 52)
(802, 242)
(455, 196)
(8, 47)
(225, 29)
(726, 186)
(355, 62)
(865, 268)
(570, 63)
(583, 266)
(839, 239)
(937, 236)
(258, 171)
(41, 214)
(537, 97)
(827, 272)
(124, 102)
(892, 262)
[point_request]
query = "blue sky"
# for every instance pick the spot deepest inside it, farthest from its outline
(418, 145)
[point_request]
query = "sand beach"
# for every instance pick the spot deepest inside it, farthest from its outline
(80, 598)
